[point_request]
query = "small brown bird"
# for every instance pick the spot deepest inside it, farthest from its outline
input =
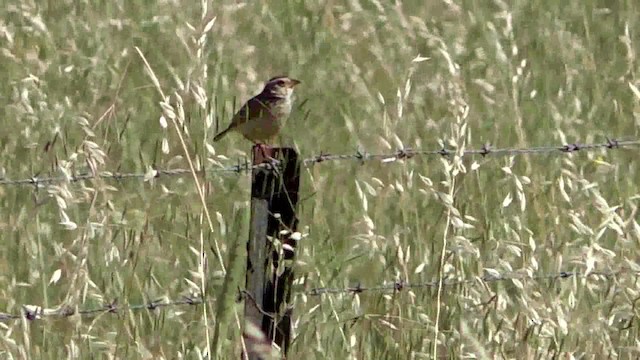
(262, 117)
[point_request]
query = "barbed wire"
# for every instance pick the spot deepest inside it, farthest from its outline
(485, 150)
(360, 156)
(400, 285)
(30, 312)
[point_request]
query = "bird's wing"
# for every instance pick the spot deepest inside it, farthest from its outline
(252, 109)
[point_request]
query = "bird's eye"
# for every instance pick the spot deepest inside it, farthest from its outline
(280, 82)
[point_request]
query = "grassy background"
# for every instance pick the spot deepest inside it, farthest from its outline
(75, 96)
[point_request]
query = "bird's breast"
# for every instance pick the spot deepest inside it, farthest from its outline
(269, 122)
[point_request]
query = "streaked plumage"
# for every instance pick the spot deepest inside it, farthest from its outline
(262, 117)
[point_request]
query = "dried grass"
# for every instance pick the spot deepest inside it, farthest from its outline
(379, 76)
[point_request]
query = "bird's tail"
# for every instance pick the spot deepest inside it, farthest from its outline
(221, 134)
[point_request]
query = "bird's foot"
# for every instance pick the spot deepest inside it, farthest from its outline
(265, 151)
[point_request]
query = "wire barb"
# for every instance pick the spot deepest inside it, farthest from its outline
(485, 150)
(612, 143)
(405, 153)
(571, 148)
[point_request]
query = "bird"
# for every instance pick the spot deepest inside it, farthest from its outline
(262, 117)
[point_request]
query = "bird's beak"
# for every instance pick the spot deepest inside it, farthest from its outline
(294, 82)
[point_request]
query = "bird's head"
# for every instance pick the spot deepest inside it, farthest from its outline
(280, 86)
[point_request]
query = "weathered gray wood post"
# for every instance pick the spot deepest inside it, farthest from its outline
(270, 249)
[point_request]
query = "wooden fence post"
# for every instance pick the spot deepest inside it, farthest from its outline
(274, 197)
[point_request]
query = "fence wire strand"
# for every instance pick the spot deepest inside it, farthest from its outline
(359, 156)
(30, 312)
(400, 285)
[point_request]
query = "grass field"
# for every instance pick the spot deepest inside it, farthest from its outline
(77, 97)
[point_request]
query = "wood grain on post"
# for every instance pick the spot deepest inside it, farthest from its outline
(274, 197)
